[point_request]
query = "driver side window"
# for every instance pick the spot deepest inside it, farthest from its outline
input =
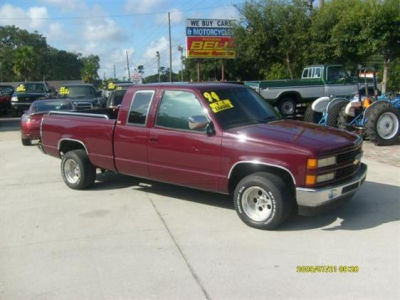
(176, 108)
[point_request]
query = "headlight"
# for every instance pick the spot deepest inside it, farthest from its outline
(313, 163)
(325, 177)
(14, 98)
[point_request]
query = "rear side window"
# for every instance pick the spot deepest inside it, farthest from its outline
(305, 73)
(140, 107)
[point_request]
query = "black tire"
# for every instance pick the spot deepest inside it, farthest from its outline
(374, 120)
(344, 120)
(312, 116)
(26, 142)
(287, 106)
(79, 178)
(333, 114)
(278, 205)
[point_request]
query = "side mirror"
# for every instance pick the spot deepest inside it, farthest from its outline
(98, 94)
(198, 122)
(210, 129)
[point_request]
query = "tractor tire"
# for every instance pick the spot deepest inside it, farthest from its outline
(312, 116)
(344, 120)
(333, 114)
(382, 126)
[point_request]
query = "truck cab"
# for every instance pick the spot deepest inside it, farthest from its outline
(316, 81)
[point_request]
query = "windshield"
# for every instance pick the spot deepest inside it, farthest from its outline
(31, 88)
(118, 96)
(76, 92)
(236, 107)
(43, 106)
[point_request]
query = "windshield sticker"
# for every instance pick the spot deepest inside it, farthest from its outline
(21, 88)
(111, 86)
(215, 103)
(63, 91)
(119, 88)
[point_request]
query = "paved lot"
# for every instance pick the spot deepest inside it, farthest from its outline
(132, 239)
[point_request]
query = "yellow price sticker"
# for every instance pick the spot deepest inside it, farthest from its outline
(63, 91)
(215, 102)
(21, 88)
(221, 105)
(111, 86)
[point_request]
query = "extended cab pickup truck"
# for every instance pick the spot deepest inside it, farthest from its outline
(316, 81)
(217, 137)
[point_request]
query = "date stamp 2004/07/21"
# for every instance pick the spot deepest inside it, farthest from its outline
(327, 269)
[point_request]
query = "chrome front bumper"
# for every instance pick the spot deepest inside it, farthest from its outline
(313, 201)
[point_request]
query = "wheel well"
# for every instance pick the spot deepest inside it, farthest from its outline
(69, 145)
(244, 169)
(296, 96)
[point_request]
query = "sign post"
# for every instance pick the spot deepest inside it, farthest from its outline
(210, 38)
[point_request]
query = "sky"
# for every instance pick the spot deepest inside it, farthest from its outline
(110, 28)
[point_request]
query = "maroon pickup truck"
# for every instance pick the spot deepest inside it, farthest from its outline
(218, 137)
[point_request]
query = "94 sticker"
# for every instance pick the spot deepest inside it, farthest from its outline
(215, 103)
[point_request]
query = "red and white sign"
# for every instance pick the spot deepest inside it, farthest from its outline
(210, 47)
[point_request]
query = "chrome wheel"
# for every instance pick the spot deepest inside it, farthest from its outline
(72, 171)
(387, 125)
(257, 203)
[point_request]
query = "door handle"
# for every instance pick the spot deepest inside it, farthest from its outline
(153, 139)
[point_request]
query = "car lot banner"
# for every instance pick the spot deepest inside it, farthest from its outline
(210, 47)
(209, 38)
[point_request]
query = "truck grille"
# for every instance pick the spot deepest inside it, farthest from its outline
(348, 157)
(347, 164)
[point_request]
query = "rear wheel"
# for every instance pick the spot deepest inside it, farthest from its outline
(382, 125)
(263, 200)
(287, 106)
(26, 142)
(76, 170)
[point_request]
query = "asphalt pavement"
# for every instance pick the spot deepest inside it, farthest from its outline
(128, 238)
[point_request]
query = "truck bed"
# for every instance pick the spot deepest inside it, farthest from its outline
(92, 128)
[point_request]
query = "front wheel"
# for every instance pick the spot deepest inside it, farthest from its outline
(263, 200)
(344, 120)
(382, 125)
(76, 170)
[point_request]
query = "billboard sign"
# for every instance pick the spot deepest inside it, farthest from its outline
(209, 38)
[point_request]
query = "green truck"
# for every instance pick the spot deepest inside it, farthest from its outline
(316, 81)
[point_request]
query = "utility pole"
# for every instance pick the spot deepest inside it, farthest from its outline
(170, 47)
(158, 64)
(115, 73)
(127, 65)
(321, 4)
(180, 49)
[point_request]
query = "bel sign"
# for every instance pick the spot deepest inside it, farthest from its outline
(209, 38)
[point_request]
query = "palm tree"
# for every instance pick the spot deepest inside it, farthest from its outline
(24, 61)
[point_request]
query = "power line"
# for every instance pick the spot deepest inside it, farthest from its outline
(119, 15)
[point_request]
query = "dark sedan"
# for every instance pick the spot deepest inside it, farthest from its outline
(31, 119)
(6, 91)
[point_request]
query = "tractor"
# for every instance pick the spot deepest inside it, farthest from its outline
(375, 117)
